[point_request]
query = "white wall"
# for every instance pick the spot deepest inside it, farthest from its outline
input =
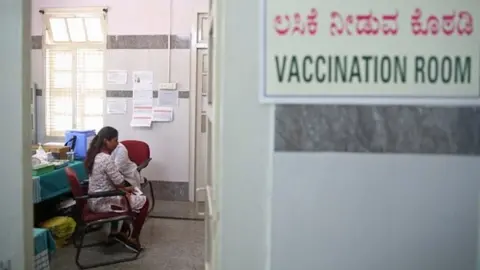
(169, 142)
(374, 211)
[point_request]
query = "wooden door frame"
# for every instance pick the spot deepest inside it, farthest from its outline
(194, 46)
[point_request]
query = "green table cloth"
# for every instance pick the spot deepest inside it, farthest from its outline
(43, 240)
(44, 245)
(56, 183)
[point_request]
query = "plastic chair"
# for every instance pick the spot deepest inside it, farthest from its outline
(139, 153)
(86, 219)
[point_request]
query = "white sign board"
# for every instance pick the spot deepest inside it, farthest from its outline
(370, 48)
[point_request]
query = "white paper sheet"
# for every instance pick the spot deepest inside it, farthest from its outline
(117, 77)
(116, 106)
(142, 102)
(167, 98)
(162, 114)
(142, 112)
(142, 94)
(142, 80)
(141, 122)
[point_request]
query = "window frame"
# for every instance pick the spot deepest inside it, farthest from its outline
(74, 47)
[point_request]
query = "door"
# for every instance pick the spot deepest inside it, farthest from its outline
(211, 207)
(205, 134)
(201, 133)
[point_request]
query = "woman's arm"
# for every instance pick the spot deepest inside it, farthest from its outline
(113, 173)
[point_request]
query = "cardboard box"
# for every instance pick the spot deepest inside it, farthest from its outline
(58, 151)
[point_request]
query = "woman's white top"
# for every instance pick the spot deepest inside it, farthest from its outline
(126, 167)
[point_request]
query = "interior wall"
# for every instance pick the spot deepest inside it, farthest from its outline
(374, 211)
(375, 187)
(138, 40)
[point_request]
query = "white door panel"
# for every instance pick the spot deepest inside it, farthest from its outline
(205, 129)
(201, 127)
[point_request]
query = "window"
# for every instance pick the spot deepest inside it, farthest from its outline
(74, 63)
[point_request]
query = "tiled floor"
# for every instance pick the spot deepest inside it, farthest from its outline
(180, 210)
(170, 245)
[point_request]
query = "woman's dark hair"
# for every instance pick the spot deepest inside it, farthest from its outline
(96, 146)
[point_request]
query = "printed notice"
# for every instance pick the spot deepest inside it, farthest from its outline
(117, 77)
(162, 114)
(142, 112)
(138, 121)
(167, 98)
(116, 106)
(142, 80)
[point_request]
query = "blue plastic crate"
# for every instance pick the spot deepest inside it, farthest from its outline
(83, 139)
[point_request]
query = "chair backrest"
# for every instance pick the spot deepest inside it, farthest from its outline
(138, 151)
(77, 190)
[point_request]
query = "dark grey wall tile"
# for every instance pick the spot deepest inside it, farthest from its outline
(37, 42)
(183, 94)
(180, 42)
(124, 93)
(129, 94)
(119, 93)
(137, 42)
(170, 191)
(378, 129)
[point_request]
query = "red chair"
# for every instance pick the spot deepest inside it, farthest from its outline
(139, 153)
(87, 220)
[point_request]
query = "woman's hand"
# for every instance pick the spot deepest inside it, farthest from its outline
(127, 189)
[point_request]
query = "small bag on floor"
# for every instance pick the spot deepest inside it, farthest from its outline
(62, 229)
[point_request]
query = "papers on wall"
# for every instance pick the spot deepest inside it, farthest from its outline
(162, 114)
(142, 99)
(117, 77)
(167, 98)
(116, 106)
(141, 116)
(141, 122)
(142, 80)
(142, 94)
(142, 113)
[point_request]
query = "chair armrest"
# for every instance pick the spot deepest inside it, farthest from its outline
(144, 164)
(103, 194)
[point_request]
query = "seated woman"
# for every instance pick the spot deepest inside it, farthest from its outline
(126, 167)
(105, 176)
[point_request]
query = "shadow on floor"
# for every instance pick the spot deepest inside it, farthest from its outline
(169, 245)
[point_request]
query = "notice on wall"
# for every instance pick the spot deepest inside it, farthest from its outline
(117, 77)
(162, 114)
(116, 106)
(142, 113)
(411, 48)
(142, 80)
(138, 121)
(167, 98)
(142, 102)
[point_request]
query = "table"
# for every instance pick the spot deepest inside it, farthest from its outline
(44, 245)
(56, 183)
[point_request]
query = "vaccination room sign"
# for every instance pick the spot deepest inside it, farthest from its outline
(370, 48)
